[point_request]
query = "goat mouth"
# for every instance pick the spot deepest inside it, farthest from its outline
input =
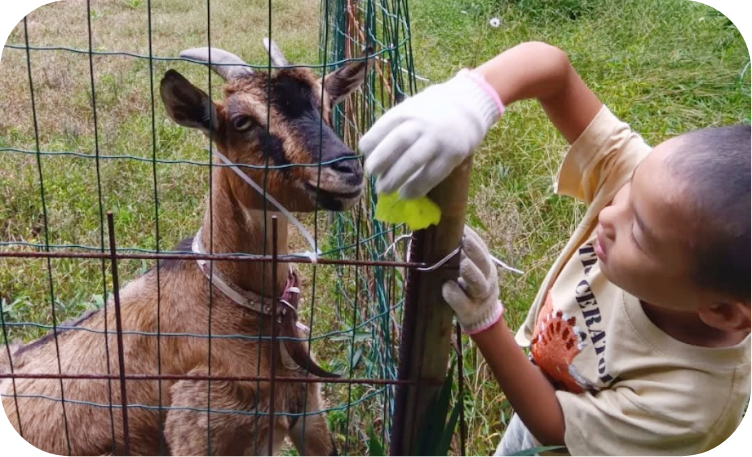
(333, 201)
(328, 194)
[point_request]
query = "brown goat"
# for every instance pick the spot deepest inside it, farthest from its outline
(294, 134)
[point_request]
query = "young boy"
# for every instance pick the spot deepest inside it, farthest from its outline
(639, 335)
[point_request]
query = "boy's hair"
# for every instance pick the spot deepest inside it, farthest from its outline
(715, 165)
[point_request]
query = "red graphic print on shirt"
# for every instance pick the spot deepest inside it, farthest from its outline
(556, 341)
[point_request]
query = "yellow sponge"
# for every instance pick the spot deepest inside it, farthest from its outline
(417, 214)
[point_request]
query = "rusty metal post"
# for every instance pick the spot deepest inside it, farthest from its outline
(119, 328)
(273, 342)
(427, 320)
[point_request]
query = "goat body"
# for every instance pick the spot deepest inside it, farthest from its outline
(168, 314)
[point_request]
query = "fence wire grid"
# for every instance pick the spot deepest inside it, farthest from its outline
(99, 182)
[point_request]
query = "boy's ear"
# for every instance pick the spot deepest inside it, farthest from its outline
(348, 78)
(728, 316)
(186, 104)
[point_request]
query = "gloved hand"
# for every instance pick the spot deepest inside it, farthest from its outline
(418, 143)
(474, 297)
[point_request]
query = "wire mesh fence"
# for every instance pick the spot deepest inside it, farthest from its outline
(99, 182)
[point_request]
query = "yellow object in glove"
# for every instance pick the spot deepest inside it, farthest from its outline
(417, 214)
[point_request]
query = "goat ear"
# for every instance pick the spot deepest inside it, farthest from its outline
(348, 78)
(186, 104)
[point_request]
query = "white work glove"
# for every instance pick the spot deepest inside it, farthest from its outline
(474, 297)
(418, 143)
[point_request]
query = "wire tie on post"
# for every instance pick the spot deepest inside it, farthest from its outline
(505, 266)
(441, 262)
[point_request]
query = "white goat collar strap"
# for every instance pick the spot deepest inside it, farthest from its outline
(245, 298)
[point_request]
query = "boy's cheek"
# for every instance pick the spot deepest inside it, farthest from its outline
(625, 270)
(643, 284)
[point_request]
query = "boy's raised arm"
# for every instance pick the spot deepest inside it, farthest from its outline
(543, 72)
(416, 144)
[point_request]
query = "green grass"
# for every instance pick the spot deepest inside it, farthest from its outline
(664, 66)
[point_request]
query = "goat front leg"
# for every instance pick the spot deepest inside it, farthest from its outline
(310, 434)
(190, 430)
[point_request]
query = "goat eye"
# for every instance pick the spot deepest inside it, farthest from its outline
(242, 123)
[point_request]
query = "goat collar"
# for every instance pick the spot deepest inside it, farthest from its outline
(294, 354)
(245, 298)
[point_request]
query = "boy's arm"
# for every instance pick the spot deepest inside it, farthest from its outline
(474, 299)
(532, 397)
(416, 144)
(543, 72)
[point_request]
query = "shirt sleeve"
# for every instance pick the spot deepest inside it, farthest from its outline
(601, 159)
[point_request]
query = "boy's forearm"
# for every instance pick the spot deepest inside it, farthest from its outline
(527, 389)
(540, 71)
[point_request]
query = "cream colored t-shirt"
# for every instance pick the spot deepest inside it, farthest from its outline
(625, 387)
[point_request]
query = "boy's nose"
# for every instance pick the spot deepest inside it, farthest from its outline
(606, 221)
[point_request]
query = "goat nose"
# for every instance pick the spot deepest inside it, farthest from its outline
(347, 166)
(349, 170)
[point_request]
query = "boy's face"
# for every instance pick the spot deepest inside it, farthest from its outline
(642, 237)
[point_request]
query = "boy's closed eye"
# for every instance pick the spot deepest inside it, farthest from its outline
(646, 235)
(632, 236)
(634, 216)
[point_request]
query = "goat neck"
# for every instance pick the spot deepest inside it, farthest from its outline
(238, 229)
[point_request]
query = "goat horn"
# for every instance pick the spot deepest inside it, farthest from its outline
(229, 65)
(298, 351)
(278, 59)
